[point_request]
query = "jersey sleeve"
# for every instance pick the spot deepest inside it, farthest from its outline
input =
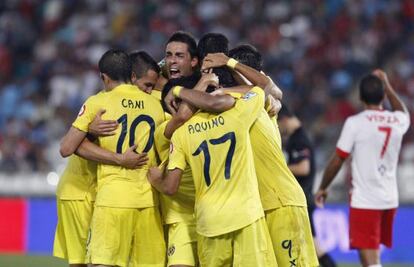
(250, 105)
(177, 155)
(346, 139)
(86, 114)
(404, 120)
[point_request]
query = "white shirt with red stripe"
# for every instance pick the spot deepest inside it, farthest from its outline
(373, 138)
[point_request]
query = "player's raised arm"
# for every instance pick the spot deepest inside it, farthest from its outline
(396, 103)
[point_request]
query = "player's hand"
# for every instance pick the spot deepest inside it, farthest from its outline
(214, 60)
(99, 127)
(206, 80)
(171, 102)
(320, 198)
(381, 75)
(131, 159)
(218, 92)
(274, 106)
(154, 175)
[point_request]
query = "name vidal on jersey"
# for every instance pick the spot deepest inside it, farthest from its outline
(382, 118)
(128, 103)
(206, 125)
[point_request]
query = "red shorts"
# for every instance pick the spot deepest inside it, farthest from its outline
(369, 228)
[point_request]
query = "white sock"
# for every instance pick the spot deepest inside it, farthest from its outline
(375, 265)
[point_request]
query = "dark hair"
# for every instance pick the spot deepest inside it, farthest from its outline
(188, 82)
(284, 112)
(212, 43)
(116, 64)
(142, 62)
(216, 43)
(186, 38)
(371, 90)
(247, 55)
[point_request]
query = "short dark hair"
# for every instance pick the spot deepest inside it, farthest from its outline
(212, 43)
(284, 112)
(186, 38)
(116, 64)
(188, 82)
(143, 62)
(247, 55)
(216, 43)
(371, 90)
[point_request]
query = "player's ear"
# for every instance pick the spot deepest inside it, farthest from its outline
(133, 77)
(194, 62)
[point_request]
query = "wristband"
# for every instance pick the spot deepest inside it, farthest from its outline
(231, 63)
(177, 90)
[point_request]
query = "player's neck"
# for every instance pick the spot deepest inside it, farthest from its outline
(112, 84)
(294, 124)
(373, 107)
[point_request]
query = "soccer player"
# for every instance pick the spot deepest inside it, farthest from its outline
(181, 63)
(230, 222)
(301, 162)
(145, 71)
(373, 137)
(126, 225)
(281, 195)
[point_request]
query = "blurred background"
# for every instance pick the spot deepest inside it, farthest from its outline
(315, 50)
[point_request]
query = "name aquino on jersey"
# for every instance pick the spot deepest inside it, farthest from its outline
(135, 104)
(205, 125)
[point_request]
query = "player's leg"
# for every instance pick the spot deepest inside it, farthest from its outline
(325, 260)
(182, 244)
(148, 248)
(111, 236)
(365, 234)
(369, 257)
(253, 246)
(291, 235)
(74, 217)
(215, 251)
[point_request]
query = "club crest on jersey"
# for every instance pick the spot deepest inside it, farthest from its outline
(82, 111)
(171, 251)
(249, 95)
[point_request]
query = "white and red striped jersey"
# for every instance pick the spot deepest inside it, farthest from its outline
(373, 138)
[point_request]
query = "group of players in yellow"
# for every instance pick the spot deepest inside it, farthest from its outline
(205, 184)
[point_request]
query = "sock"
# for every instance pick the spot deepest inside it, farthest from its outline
(375, 265)
(327, 261)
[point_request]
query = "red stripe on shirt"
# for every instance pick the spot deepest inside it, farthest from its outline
(342, 154)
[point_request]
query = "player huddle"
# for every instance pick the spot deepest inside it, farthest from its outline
(181, 166)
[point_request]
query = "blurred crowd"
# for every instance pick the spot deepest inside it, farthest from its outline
(315, 50)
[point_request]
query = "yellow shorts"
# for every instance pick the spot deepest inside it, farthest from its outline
(182, 244)
(74, 217)
(127, 236)
(248, 246)
(291, 235)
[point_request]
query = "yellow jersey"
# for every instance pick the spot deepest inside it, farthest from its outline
(156, 93)
(138, 115)
(277, 185)
(78, 180)
(180, 207)
(218, 150)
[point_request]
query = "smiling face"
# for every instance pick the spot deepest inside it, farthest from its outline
(147, 82)
(178, 60)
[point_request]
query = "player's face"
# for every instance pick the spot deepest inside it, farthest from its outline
(147, 82)
(178, 60)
